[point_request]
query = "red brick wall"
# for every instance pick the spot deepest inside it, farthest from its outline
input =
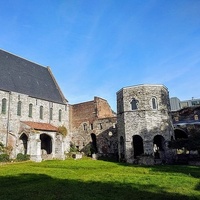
(90, 111)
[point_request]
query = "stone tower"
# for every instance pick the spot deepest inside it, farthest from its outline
(144, 123)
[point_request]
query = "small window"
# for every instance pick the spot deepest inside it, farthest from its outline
(30, 113)
(85, 127)
(19, 108)
(91, 126)
(196, 117)
(134, 104)
(3, 109)
(154, 103)
(41, 112)
(60, 115)
(100, 126)
(51, 114)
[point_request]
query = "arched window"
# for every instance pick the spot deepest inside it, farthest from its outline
(19, 108)
(60, 115)
(3, 109)
(154, 103)
(30, 112)
(41, 112)
(51, 114)
(134, 104)
(85, 127)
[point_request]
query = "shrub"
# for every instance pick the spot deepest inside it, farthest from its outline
(4, 157)
(2, 147)
(62, 130)
(22, 157)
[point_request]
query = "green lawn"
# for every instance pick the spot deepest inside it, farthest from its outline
(94, 179)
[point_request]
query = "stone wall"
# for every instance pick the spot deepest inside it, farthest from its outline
(94, 118)
(146, 121)
(10, 121)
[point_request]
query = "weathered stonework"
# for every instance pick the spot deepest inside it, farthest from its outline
(144, 124)
(12, 127)
(93, 123)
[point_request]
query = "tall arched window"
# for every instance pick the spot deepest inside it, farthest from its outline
(60, 115)
(3, 109)
(85, 127)
(19, 108)
(30, 112)
(51, 113)
(154, 103)
(134, 104)
(41, 112)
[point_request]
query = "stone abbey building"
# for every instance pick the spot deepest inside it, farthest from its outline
(33, 110)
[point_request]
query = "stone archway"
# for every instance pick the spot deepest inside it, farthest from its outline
(24, 139)
(46, 144)
(179, 134)
(159, 146)
(94, 143)
(138, 145)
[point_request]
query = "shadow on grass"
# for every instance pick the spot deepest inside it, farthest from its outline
(198, 187)
(40, 186)
(193, 171)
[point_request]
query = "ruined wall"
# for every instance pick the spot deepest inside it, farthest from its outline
(94, 117)
(145, 120)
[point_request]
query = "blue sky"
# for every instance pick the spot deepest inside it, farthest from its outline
(96, 47)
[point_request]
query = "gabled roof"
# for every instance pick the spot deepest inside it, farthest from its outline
(22, 76)
(41, 126)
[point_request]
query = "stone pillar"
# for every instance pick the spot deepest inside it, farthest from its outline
(148, 147)
(35, 147)
(129, 152)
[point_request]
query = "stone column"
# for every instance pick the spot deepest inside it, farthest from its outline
(129, 155)
(35, 147)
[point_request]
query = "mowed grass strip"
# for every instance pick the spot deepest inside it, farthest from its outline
(95, 179)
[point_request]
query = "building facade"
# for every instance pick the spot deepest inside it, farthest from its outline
(93, 126)
(144, 123)
(32, 108)
(177, 104)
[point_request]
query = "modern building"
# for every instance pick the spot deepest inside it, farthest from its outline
(177, 104)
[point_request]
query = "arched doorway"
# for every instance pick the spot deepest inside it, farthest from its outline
(158, 146)
(24, 139)
(121, 148)
(94, 143)
(138, 145)
(46, 144)
(179, 134)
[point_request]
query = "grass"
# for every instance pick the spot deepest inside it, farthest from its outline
(87, 179)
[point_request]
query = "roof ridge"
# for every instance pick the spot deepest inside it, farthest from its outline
(21, 57)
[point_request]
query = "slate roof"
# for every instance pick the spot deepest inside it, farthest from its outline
(41, 126)
(22, 76)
